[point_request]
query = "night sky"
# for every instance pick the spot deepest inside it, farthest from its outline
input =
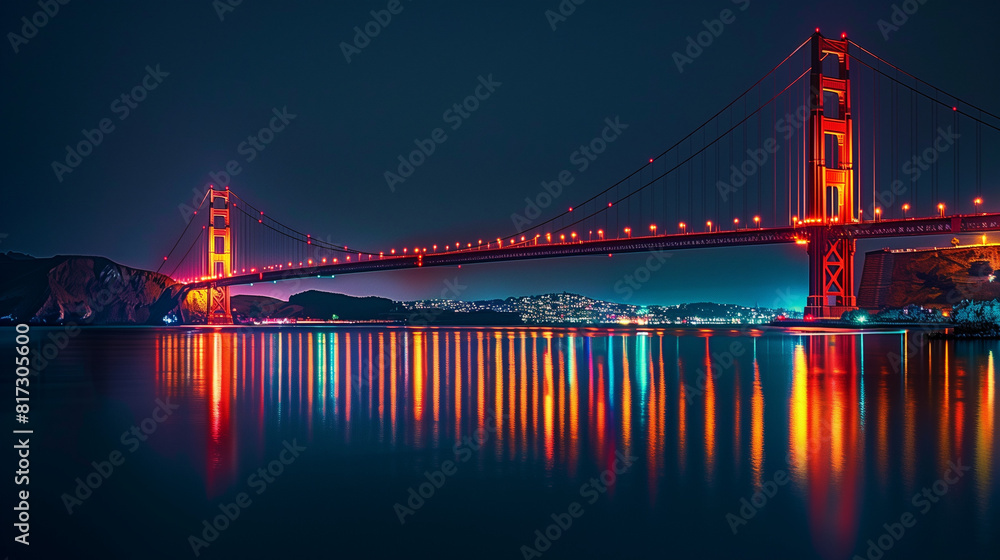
(220, 81)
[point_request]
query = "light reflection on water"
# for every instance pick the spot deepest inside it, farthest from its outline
(859, 422)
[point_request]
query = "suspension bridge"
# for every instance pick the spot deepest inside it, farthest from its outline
(815, 153)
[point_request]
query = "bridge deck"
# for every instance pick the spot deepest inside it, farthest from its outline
(531, 249)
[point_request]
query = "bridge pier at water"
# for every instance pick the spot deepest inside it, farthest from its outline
(831, 274)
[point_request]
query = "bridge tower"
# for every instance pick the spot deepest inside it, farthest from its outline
(220, 258)
(829, 190)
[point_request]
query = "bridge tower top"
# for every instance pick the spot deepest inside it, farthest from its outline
(830, 183)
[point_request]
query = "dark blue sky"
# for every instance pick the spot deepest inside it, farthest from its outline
(324, 172)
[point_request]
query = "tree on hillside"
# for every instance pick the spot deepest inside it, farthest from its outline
(977, 316)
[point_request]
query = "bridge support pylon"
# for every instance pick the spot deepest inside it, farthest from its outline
(218, 312)
(220, 258)
(829, 191)
(831, 275)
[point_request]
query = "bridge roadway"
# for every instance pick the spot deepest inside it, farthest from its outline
(959, 224)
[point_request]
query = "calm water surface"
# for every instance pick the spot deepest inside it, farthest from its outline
(462, 443)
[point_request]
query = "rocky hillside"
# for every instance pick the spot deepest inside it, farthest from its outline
(87, 290)
(937, 278)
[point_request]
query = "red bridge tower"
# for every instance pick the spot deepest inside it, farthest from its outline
(220, 258)
(829, 192)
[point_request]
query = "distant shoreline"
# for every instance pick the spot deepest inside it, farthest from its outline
(936, 330)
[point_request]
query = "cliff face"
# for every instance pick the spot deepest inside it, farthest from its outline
(86, 290)
(931, 277)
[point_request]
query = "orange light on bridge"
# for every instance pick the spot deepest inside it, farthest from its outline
(683, 227)
(600, 234)
(756, 221)
(562, 237)
(736, 223)
(628, 232)
(709, 225)
(573, 235)
(801, 242)
(941, 208)
(652, 227)
(878, 214)
(976, 202)
(906, 208)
